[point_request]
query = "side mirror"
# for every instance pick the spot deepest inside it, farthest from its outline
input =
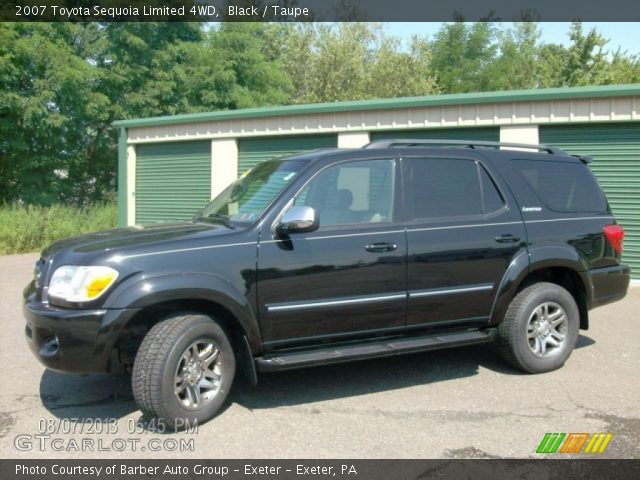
(298, 220)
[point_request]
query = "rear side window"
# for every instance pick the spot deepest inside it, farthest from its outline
(563, 186)
(441, 188)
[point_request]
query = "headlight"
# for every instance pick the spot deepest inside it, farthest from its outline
(81, 284)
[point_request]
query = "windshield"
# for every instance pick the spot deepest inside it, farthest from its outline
(245, 199)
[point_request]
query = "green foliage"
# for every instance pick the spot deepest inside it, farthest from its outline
(254, 76)
(623, 69)
(30, 228)
(354, 61)
(585, 59)
(584, 62)
(515, 66)
(146, 67)
(46, 100)
(549, 71)
(462, 55)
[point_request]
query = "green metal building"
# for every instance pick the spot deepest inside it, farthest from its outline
(169, 167)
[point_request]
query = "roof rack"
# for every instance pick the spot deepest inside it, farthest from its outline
(410, 142)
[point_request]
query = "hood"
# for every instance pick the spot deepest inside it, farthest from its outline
(107, 240)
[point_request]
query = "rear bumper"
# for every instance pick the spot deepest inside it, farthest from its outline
(77, 341)
(609, 284)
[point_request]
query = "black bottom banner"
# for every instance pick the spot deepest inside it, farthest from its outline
(319, 469)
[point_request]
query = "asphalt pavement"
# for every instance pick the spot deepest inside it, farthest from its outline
(460, 403)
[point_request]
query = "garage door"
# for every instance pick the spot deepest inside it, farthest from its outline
(616, 151)
(173, 180)
(487, 134)
(255, 150)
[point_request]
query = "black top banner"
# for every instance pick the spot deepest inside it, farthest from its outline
(319, 10)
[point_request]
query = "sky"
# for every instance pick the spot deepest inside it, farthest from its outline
(623, 34)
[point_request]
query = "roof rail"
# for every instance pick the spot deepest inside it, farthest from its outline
(411, 142)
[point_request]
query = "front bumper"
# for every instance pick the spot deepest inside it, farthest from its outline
(78, 341)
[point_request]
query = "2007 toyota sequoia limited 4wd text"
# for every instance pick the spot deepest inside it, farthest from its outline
(336, 255)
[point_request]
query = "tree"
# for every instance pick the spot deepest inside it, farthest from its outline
(355, 61)
(253, 75)
(586, 60)
(146, 66)
(48, 106)
(399, 73)
(463, 55)
(623, 68)
(515, 66)
(550, 67)
(63, 84)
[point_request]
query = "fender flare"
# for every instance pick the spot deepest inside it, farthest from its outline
(529, 261)
(139, 291)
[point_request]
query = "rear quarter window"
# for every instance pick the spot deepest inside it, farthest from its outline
(563, 186)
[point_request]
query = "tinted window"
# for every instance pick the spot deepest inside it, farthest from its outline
(352, 193)
(563, 186)
(491, 195)
(451, 188)
(245, 199)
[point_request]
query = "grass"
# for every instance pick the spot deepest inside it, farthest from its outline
(31, 228)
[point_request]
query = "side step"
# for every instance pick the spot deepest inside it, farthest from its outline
(363, 351)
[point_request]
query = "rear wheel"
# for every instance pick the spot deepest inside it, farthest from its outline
(183, 370)
(540, 328)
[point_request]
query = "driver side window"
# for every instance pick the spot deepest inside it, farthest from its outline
(359, 192)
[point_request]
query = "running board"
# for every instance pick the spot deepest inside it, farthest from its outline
(363, 351)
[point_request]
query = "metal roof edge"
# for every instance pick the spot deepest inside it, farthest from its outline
(388, 103)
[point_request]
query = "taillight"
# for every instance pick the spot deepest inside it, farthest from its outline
(615, 235)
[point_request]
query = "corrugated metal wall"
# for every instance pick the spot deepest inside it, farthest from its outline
(489, 134)
(252, 151)
(173, 180)
(616, 151)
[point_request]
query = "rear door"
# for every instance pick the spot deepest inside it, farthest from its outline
(463, 230)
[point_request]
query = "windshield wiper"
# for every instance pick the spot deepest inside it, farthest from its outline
(225, 220)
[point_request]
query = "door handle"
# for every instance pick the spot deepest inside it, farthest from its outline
(507, 238)
(381, 247)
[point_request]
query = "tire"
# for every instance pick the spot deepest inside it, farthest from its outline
(538, 316)
(194, 348)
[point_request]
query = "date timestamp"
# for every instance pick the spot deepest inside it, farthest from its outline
(111, 426)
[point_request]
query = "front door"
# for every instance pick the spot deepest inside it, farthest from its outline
(348, 278)
(463, 231)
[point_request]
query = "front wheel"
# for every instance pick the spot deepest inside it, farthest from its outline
(540, 328)
(183, 370)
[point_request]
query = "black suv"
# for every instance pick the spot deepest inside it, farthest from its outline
(336, 255)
